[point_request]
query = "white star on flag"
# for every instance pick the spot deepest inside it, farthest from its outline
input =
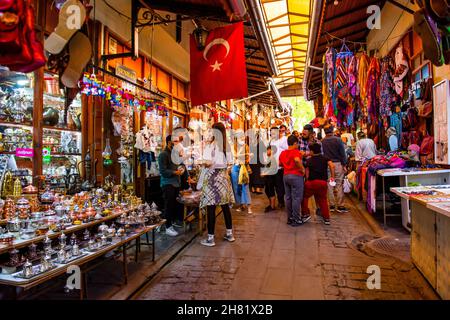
(216, 66)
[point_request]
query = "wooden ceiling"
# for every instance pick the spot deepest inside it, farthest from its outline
(216, 13)
(346, 20)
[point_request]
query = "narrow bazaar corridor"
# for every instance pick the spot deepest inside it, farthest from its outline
(272, 260)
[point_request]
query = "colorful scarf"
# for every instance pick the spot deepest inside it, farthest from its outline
(386, 89)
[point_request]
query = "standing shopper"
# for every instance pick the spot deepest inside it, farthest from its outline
(333, 149)
(269, 173)
(365, 148)
(170, 185)
(216, 188)
(291, 161)
(256, 180)
(316, 182)
(240, 176)
(278, 145)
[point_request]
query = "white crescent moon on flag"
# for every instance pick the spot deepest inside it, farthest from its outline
(217, 41)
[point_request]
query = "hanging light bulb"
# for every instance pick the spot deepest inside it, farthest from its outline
(278, 114)
(232, 115)
(336, 2)
(249, 117)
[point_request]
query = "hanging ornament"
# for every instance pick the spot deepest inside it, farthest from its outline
(106, 154)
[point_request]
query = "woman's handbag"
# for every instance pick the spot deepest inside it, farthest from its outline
(243, 175)
(201, 178)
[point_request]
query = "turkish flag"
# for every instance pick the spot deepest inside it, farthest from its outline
(218, 72)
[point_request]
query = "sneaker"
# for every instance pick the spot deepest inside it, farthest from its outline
(269, 209)
(177, 225)
(249, 210)
(296, 223)
(238, 209)
(332, 208)
(290, 221)
(229, 237)
(342, 209)
(208, 242)
(171, 232)
(326, 222)
(306, 218)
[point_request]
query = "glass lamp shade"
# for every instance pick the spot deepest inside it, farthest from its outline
(200, 35)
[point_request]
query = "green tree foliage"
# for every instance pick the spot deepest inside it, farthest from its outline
(302, 111)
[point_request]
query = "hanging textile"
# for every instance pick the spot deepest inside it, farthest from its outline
(386, 89)
(401, 70)
(341, 84)
(329, 73)
(363, 72)
(372, 90)
(352, 72)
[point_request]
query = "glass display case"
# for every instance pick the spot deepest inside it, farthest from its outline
(61, 136)
(16, 131)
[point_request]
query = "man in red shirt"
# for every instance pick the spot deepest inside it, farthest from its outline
(291, 162)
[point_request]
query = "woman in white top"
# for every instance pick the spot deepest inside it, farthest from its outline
(216, 188)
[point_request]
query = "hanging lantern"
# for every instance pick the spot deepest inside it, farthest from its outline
(200, 35)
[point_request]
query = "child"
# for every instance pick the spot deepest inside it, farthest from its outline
(316, 182)
(269, 174)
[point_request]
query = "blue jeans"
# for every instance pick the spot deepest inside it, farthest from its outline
(241, 191)
(293, 186)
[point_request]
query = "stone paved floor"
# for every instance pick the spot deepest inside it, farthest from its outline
(271, 260)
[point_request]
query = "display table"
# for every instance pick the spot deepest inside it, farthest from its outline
(407, 175)
(405, 193)
(430, 240)
(86, 257)
(191, 203)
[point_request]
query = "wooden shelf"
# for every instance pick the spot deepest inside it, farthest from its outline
(60, 129)
(14, 124)
(65, 154)
(12, 153)
(17, 244)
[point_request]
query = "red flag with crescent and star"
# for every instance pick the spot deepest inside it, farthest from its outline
(218, 72)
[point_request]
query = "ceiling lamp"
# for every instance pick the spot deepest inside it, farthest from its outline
(200, 35)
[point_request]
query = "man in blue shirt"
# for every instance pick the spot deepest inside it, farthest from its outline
(170, 185)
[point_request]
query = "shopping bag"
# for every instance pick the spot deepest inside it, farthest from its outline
(201, 178)
(347, 185)
(243, 175)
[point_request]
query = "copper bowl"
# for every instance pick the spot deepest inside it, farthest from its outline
(30, 189)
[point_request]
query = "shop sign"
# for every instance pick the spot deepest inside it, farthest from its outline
(25, 152)
(112, 46)
(46, 154)
(126, 73)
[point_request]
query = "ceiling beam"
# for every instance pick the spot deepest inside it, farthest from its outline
(288, 24)
(347, 25)
(277, 17)
(187, 8)
(289, 44)
(281, 38)
(296, 57)
(353, 10)
(257, 72)
(298, 14)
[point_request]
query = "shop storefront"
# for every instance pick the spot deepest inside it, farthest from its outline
(391, 92)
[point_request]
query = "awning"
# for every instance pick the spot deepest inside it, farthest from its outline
(287, 22)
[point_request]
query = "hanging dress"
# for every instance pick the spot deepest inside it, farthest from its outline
(372, 90)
